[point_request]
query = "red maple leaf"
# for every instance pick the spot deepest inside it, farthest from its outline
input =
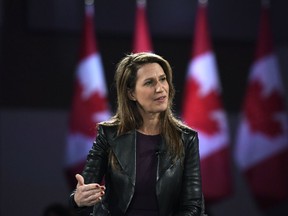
(83, 110)
(261, 110)
(198, 110)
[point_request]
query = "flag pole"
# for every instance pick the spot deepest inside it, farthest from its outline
(142, 41)
(203, 2)
(89, 2)
(89, 7)
(141, 3)
(265, 3)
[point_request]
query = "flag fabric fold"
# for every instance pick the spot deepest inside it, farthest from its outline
(261, 150)
(142, 40)
(90, 101)
(202, 110)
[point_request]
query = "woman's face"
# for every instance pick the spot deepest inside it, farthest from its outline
(151, 90)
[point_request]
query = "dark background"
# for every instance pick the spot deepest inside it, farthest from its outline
(40, 43)
(39, 49)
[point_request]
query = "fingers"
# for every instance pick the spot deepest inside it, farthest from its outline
(92, 199)
(90, 190)
(80, 180)
(88, 198)
(87, 194)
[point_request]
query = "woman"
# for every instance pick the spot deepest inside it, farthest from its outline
(150, 159)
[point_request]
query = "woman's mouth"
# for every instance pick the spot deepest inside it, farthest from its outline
(161, 99)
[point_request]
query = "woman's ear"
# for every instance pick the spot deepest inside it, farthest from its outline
(131, 95)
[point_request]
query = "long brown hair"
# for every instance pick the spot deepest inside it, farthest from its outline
(127, 116)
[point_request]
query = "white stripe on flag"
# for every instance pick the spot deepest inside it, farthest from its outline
(91, 76)
(77, 148)
(202, 68)
(211, 144)
(252, 147)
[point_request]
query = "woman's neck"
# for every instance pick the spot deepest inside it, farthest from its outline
(149, 131)
(151, 125)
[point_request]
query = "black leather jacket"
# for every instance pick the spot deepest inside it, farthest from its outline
(178, 184)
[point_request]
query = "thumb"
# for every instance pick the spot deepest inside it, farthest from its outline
(80, 180)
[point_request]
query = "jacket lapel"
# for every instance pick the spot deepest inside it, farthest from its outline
(124, 148)
(164, 160)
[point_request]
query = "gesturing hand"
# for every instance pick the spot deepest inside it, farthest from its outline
(87, 194)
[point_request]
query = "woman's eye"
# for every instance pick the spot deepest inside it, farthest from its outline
(148, 83)
(163, 79)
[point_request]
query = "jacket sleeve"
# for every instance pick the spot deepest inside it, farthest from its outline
(191, 199)
(94, 169)
(97, 159)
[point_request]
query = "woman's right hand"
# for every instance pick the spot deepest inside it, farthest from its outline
(87, 194)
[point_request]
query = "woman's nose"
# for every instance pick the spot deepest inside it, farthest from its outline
(159, 87)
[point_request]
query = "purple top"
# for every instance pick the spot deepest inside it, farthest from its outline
(144, 202)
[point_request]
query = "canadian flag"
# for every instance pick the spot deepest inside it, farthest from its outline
(90, 104)
(203, 111)
(261, 150)
(142, 41)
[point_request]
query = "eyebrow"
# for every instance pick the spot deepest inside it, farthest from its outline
(161, 76)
